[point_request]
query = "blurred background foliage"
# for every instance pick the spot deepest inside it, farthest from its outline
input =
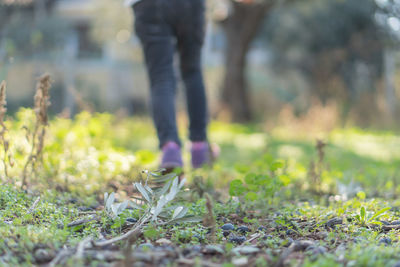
(268, 61)
(84, 156)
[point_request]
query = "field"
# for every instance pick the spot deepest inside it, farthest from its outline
(276, 198)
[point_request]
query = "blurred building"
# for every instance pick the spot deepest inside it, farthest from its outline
(106, 75)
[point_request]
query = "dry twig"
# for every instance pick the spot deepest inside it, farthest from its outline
(59, 258)
(42, 102)
(7, 158)
(131, 234)
(81, 247)
(33, 207)
(209, 219)
(251, 239)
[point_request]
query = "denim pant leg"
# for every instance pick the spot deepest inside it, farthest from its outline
(190, 54)
(157, 42)
(190, 35)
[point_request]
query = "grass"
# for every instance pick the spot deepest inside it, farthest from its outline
(300, 209)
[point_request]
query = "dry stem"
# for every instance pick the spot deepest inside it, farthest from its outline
(209, 220)
(3, 139)
(42, 102)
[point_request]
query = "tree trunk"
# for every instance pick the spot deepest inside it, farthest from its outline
(390, 74)
(240, 28)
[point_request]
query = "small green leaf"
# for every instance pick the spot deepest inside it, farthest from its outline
(241, 168)
(285, 180)
(135, 205)
(250, 179)
(122, 206)
(173, 190)
(142, 191)
(251, 196)
(182, 183)
(118, 223)
(379, 214)
(151, 233)
(145, 156)
(164, 189)
(276, 165)
(110, 200)
(236, 188)
(160, 204)
(165, 178)
(179, 212)
(77, 228)
(361, 195)
(362, 213)
(148, 189)
(114, 209)
(229, 247)
(105, 199)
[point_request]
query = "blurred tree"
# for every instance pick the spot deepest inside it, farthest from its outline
(240, 22)
(388, 19)
(341, 52)
(241, 25)
(340, 46)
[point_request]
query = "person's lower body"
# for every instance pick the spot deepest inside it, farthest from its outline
(162, 26)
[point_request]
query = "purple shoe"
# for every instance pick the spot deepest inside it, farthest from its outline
(203, 153)
(171, 156)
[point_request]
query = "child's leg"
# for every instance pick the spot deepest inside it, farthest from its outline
(190, 35)
(157, 42)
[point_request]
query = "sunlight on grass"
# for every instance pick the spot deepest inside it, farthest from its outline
(382, 147)
(290, 152)
(94, 150)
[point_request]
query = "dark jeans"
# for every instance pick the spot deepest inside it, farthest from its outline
(164, 26)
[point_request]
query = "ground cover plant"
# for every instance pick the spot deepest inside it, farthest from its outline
(86, 192)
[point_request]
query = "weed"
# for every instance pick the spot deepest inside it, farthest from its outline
(7, 157)
(258, 188)
(208, 219)
(37, 135)
(364, 219)
(317, 167)
(153, 206)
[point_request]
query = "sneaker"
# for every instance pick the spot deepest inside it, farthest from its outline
(203, 153)
(171, 156)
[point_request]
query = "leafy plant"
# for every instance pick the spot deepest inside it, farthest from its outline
(364, 219)
(154, 205)
(111, 208)
(154, 202)
(259, 186)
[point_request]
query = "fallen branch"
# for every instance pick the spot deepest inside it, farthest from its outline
(83, 221)
(386, 228)
(128, 235)
(391, 227)
(197, 262)
(81, 247)
(60, 256)
(87, 213)
(296, 246)
(33, 207)
(251, 239)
